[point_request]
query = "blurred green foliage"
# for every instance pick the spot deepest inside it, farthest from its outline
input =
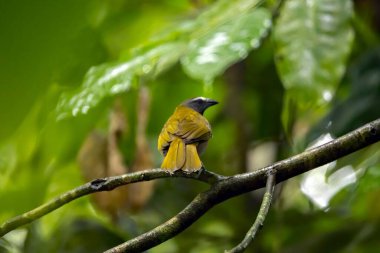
(285, 72)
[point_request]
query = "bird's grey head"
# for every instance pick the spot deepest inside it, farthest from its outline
(199, 104)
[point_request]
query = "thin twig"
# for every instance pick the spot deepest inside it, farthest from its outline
(102, 184)
(259, 222)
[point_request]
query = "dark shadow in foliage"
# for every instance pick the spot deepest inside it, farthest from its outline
(363, 103)
(81, 236)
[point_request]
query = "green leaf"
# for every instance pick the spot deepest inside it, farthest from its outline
(312, 42)
(164, 50)
(211, 54)
(114, 78)
(223, 11)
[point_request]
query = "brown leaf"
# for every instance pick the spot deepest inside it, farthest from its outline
(100, 156)
(117, 128)
(93, 161)
(140, 193)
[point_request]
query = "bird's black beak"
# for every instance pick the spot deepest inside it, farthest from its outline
(211, 102)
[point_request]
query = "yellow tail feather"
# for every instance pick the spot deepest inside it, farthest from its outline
(181, 156)
(175, 158)
(193, 162)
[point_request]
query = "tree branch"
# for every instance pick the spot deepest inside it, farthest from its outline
(259, 222)
(222, 188)
(102, 184)
(242, 183)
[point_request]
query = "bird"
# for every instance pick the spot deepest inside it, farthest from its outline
(185, 135)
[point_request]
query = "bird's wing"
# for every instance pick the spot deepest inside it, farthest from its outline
(186, 124)
(164, 140)
(167, 133)
(194, 128)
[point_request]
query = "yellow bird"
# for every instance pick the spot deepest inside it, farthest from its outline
(185, 135)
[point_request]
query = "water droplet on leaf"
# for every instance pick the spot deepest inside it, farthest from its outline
(85, 109)
(146, 68)
(75, 111)
(327, 95)
(255, 43)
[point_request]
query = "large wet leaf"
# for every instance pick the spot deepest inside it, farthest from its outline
(114, 78)
(312, 42)
(162, 51)
(363, 103)
(223, 11)
(211, 54)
